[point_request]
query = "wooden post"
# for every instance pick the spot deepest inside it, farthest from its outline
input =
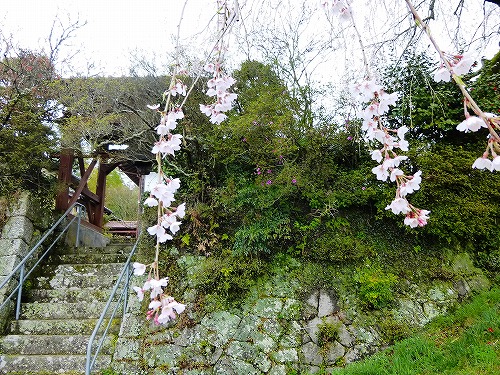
(104, 170)
(65, 172)
(83, 182)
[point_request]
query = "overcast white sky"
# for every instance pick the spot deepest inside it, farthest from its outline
(117, 27)
(113, 29)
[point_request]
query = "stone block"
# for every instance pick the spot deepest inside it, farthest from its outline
(21, 207)
(262, 362)
(292, 337)
(311, 353)
(462, 288)
(128, 368)
(162, 354)
(88, 236)
(479, 283)
(312, 300)
(327, 304)
(7, 264)
(272, 328)
(242, 350)
(345, 338)
(224, 324)
(334, 353)
(127, 349)
(249, 324)
(268, 307)
(264, 342)
(312, 326)
(227, 366)
(278, 370)
(6, 314)
(285, 356)
(18, 227)
(13, 247)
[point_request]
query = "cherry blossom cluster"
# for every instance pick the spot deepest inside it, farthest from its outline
(162, 308)
(218, 87)
(167, 143)
(455, 64)
(391, 139)
(341, 8)
(491, 122)
(453, 67)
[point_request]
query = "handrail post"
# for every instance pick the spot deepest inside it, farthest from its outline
(127, 286)
(79, 210)
(20, 292)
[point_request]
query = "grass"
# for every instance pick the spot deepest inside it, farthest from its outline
(464, 342)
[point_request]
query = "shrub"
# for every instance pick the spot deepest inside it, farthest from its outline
(328, 332)
(375, 287)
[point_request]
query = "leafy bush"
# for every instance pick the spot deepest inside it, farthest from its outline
(328, 332)
(226, 279)
(375, 287)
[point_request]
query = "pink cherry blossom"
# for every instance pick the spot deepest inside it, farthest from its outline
(154, 305)
(442, 74)
(381, 172)
(417, 218)
(471, 123)
(395, 173)
(180, 212)
(157, 287)
(399, 205)
(151, 202)
(412, 185)
(140, 292)
(483, 163)
(139, 268)
(463, 65)
(377, 156)
(385, 100)
(495, 164)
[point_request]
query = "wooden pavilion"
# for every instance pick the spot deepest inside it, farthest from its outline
(75, 189)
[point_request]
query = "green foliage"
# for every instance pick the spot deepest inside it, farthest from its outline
(328, 333)
(428, 108)
(464, 342)
(375, 286)
(258, 237)
(225, 279)
(27, 139)
(109, 371)
(460, 197)
(393, 330)
(336, 240)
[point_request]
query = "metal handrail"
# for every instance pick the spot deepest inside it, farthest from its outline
(23, 275)
(127, 273)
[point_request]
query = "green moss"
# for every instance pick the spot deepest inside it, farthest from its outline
(375, 286)
(328, 332)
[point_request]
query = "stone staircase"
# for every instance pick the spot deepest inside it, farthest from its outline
(59, 312)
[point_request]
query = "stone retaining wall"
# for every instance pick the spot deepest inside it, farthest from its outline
(274, 331)
(15, 241)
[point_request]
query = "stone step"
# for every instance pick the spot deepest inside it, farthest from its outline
(51, 344)
(109, 249)
(75, 282)
(69, 310)
(61, 326)
(49, 364)
(88, 269)
(87, 258)
(67, 295)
